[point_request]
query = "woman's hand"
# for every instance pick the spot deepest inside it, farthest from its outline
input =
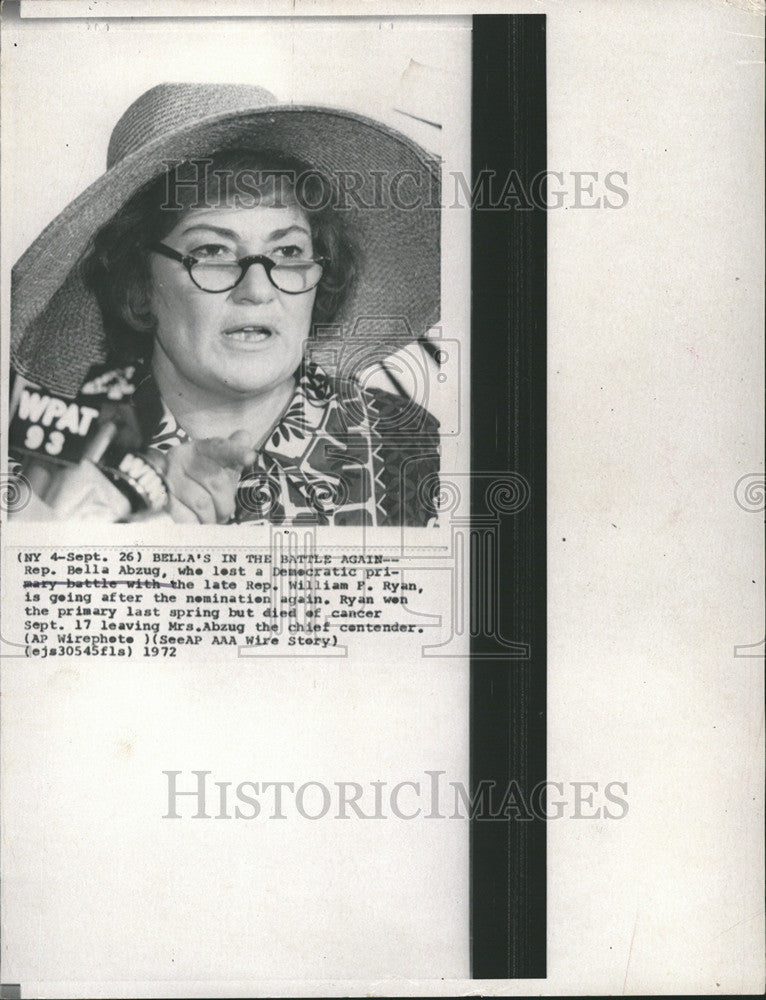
(202, 477)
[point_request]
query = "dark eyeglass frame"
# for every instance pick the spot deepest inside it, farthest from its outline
(244, 264)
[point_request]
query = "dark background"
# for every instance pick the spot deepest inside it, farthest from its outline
(508, 357)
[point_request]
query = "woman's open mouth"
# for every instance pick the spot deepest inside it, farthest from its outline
(249, 334)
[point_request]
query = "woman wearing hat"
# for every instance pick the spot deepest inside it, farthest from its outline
(231, 242)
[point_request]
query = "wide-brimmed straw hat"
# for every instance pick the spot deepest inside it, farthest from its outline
(56, 325)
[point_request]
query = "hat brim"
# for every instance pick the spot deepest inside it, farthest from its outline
(56, 327)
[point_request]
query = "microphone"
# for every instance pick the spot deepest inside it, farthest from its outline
(82, 454)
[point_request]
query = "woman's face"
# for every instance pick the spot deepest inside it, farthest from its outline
(240, 343)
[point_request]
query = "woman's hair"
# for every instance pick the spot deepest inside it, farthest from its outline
(117, 266)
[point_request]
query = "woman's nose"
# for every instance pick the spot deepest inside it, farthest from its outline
(255, 285)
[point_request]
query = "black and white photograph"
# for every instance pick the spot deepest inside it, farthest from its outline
(150, 376)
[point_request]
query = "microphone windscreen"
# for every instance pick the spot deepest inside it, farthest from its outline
(51, 427)
(82, 453)
(48, 426)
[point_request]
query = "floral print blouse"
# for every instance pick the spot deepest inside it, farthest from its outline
(341, 454)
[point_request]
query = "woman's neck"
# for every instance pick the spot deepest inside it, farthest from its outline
(204, 414)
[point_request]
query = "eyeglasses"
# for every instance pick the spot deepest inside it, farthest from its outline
(215, 275)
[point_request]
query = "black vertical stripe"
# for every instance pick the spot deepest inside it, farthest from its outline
(508, 361)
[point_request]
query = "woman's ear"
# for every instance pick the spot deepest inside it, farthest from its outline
(136, 309)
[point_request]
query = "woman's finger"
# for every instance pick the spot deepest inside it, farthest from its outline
(221, 486)
(180, 513)
(195, 498)
(234, 452)
(203, 476)
(219, 482)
